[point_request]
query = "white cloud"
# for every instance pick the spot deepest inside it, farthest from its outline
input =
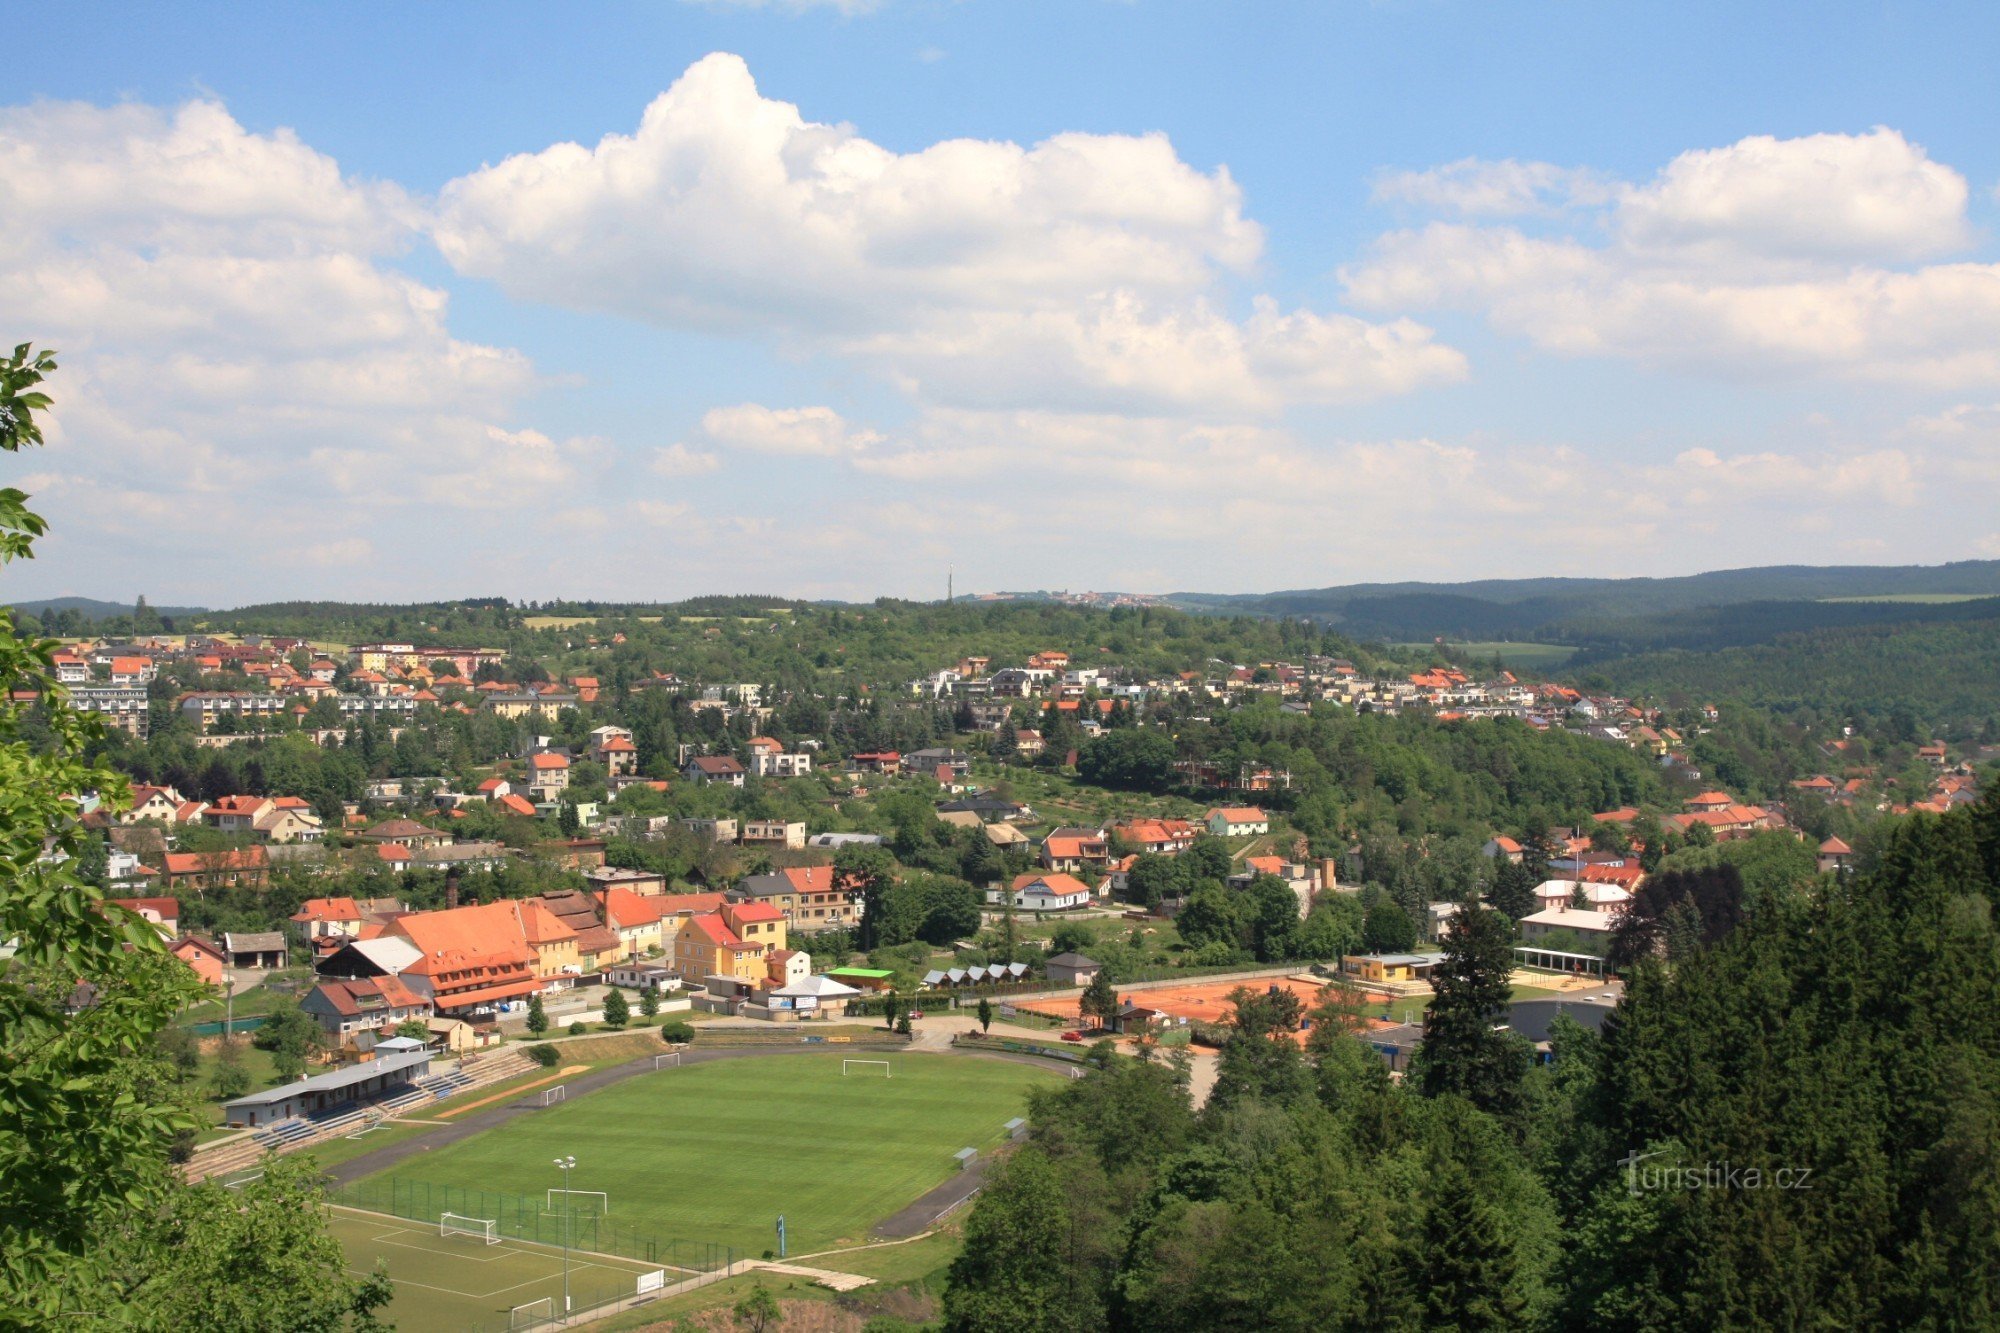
(233, 342)
(801, 431)
(1766, 257)
(1087, 265)
(1872, 197)
(677, 460)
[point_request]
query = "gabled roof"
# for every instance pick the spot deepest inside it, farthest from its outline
(1238, 814)
(350, 998)
(515, 805)
(1062, 885)
(328, 909)
(548, 761)
(197, 863)
(489, 935)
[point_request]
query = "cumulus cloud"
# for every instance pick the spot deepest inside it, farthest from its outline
(800, 431)
(1765, 257)
(677, 460)
(233, 337)
(1076, 261)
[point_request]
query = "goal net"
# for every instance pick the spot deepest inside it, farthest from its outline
(670, 1058)
(455, 1224)
(550, 1096)
(579, 1201)
(534, 1314)
(869, 1067)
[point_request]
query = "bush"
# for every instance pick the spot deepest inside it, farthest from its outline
(545, 1056)
(676, 1033)
(578, 1029)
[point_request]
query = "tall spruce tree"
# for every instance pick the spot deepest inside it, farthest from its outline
(1462, 1052)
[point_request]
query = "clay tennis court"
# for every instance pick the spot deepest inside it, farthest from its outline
(1205, 1002)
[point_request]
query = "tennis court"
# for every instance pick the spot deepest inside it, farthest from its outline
(445, 1284)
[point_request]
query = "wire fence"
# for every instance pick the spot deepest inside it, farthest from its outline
(528, 1217)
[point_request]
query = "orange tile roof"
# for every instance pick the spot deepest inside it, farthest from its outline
(328, 909)
(485, 935)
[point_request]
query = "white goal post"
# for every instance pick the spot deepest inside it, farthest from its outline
(670, 1058)
(456, 1224)
(533, 1314)
(550, 1096)
(559, 1197)
(887, 1072)
(653, 1281)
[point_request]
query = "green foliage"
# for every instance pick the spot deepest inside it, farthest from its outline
(617, 1011)
(1128, 761)
(538, 1017)
(545, 1056)
(649, 1001)
(258, 1258)
(758, 1310)
(1462, 1052)
(1387, 928)
(88, 1111)
(1099, 999)
(577, 1029)
(674, 1032)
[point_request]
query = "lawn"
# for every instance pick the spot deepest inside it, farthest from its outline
(715, 1152)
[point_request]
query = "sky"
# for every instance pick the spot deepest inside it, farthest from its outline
(827, 298)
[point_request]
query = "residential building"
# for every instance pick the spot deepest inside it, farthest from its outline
(548, 775)
(716, 768)
(809, 897)
(614, 749)
(1073, 849)
(1072, 969)
(1161, 837)
(372, 1004)
(328, 919)
(597, 945)
(1237, 821)
(1835, 857)
(407, 832)
(774, 833)
(164, 914)
(203, 956)
(247, 867)
(126, 708)
(637, 919)
(730, 942)
(1045, 893)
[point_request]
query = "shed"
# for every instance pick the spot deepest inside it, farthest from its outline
(1072, 969)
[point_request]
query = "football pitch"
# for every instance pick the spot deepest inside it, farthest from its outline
(713, 1153)
(453, 1283)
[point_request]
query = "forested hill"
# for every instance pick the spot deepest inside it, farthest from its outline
(1944, 674)
(1555, 607)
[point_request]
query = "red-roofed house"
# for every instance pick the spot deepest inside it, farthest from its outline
(730, 942)
(548, 775)
(1162, 837)
(328, 918)
(715, 768)
(1237, 821)
(203, 956)
(1834, 856)
(248, 867)
(1046, 893)
(514, 805)
(471, 959)
(164, 913)
(367, 1004)
(1072, 849)
(1502, 845)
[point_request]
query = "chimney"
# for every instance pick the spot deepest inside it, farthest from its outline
(451, 888)
(1328, 875)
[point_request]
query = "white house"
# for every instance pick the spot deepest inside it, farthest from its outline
(1237, 821)
(1045, 893)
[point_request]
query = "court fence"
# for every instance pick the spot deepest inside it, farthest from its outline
(528, 1217)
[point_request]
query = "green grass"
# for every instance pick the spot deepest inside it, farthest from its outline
(715, 1152)
(460, 1282)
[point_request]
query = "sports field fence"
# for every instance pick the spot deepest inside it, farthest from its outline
(528, 1217)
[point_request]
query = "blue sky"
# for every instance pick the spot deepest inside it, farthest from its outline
(1145, 296)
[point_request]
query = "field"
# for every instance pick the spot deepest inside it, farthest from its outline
(715, 1152)
(459, 1282)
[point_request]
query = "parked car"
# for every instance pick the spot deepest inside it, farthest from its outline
(1072, 1035)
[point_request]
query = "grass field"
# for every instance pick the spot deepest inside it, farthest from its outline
(714, 1152)
(446, 1284)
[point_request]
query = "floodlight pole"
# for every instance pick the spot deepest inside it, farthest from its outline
(565, 1165)
(781, 1235)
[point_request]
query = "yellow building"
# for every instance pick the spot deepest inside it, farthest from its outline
(1398, 968)
(730, 942)
(553, 942)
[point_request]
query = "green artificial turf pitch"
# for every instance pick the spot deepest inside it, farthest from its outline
(445, 1284)
(715, 1152)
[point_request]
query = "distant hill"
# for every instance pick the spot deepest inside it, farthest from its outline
(1608, 611)
(93, 609)
(1940, 673)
